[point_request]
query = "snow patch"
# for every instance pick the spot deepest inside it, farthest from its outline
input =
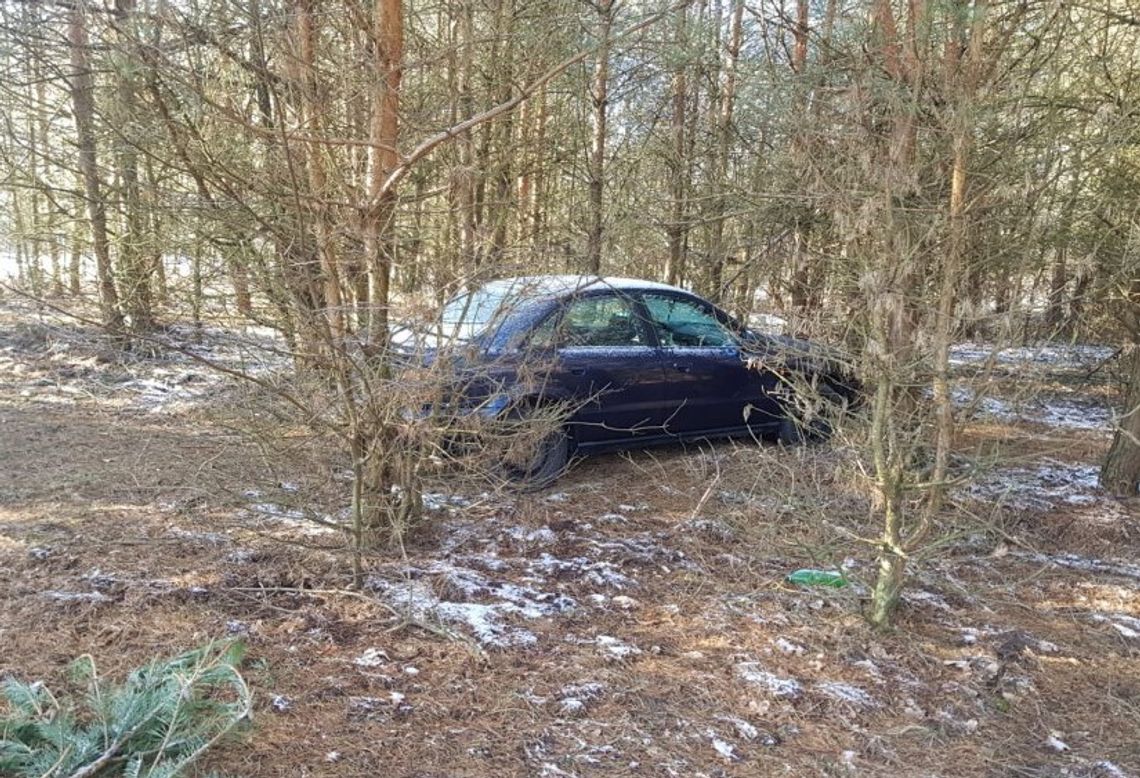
(437, 501)
(714, 529)
(921, 597)
(788, 647)
(543, 536)
(603, 575)
(743, 728)
(487, 621)
(1039, 488)
(206, 538)
(1055, 743)
(755, 674)
(1053, 355)
(1122, 568)
(725, 749)
(1109, 769)
(612, 518)
(845, 692)
(1050, 411)
(574, 699)
(614, 649)
(94, 597)
(1127, 626)
(372, 657)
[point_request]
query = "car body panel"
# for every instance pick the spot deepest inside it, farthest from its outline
(715, 389)
(620, 390)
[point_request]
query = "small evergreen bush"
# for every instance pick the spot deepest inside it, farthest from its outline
(161, 719)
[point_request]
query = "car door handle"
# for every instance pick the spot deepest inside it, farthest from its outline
(577, 371)
(683, 368)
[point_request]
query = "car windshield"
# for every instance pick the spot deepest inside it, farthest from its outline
(471, 313)
(466, 315)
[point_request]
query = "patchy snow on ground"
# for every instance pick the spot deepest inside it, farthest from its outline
(1060, 356)
(196, 536)
(744, 729)
(1038, 487)
(599, 574)
(437, 501)
(575, 699)
(1048, 410)
(1126, 626)
(169, 391)
(725, 749)
(846, 693)
(754, 673)
(922, 598)
(789, 647)
(51, 359)
(465, 597)
(615, 649)
(371, 658)
(67, 597)
(1117, 567)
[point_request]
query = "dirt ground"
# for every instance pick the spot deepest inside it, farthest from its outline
(633, 619)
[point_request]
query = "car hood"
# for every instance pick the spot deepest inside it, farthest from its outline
(797, 353)
(428, 347)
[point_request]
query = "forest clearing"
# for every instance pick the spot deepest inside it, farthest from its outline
(334, 335)
(631, 619)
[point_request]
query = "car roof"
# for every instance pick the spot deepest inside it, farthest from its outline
(558, 285)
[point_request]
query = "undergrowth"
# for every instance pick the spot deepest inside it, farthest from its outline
(163, 717)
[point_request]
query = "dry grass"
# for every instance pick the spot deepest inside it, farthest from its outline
(994, 653)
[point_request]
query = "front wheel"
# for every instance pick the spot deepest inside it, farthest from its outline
(810, 422)
(794, 432)
(536, 447)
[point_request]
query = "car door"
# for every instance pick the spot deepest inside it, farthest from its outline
(606, 365)
(708, 383)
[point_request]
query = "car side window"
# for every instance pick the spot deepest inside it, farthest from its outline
(682, 323)
(601, 321)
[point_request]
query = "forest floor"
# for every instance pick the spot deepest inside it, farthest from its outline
(631, 620)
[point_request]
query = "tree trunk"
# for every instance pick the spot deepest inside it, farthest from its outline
(75, 266)
(678, 162)
(1056, 320)
(724, 130)
(537, 191)
(888, 474)
(83, 109)
(135, 268)
(379, 222)
(599, 94)
(801, 263)
(1121, 472)
(892, 303)
(501, 134)
(944, 325)
(313, 110)
(962, 67)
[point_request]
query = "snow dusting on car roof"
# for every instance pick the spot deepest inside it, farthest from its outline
(557, 285)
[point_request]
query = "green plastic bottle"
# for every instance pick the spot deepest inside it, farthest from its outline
(809, 577)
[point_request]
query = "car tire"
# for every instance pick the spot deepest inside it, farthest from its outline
(795, 432)
(550, 458)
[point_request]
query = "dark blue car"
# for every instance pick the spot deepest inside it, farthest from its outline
(621, 362)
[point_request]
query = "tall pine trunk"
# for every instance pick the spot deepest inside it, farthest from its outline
(82, 85)
(600, 96)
